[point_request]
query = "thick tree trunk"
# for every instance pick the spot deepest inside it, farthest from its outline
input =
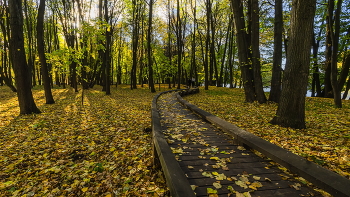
(243, 51)
(20, 67)
(41, 51)
(275, 91)
(291, 109)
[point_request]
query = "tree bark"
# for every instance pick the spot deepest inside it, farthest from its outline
(291, 109)
(334, 57)
(41, 51)
(344, 72)
(149, 49)
(316, 84)
(207, 43)
(243, 51)
(107, 58)
(20, 66)
(179, 44)
(135, 43)
(255, 42)
(275, 91)
(346, 89)
(328, 91)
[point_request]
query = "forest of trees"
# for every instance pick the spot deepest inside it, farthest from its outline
(226, 43)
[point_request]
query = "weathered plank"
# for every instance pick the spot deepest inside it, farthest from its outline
(175, 178)
(327, 180)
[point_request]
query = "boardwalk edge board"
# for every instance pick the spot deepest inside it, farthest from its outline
(163, 156)
(323, 178)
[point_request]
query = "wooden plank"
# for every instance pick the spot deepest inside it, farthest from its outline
(175, 178)
(327, 180)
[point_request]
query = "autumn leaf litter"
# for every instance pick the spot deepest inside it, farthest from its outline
(96, 149)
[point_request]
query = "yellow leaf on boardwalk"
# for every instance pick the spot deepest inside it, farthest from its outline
(85, 189)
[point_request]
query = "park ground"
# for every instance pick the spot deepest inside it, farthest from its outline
(101, 145)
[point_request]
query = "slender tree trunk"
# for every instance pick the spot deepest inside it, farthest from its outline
(328, 91)
(346, 89)
(275, 91)
(344, 72)
(193, 73)
(30, 43)
(316, 85)
(149, 49)
(179, 44)
(169, 43)
(231, 56)
(5, 59)
(291, 109)
(220, 80)
(255, 42)
(20, 66)
(334, 59)
(41, 51)
(108, 34)
(135, 43)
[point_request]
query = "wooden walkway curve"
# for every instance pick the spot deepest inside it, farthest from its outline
(202, 160)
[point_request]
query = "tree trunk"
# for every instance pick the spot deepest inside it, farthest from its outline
(344, 72)
(135, 43)
(193, 74)
(255, 37)
(179, 44)
(328, 91)
(334, 57)
(316, 85)
(149, 49)
(207, 43)
(275, 91)
(220, 80)
(291, 109)
(231, 56)
(346, 89)
(107, 58)
(31, 57)
(41, 51)
(20, 67)
(243, 51)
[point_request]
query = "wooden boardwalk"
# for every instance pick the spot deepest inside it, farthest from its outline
(214, 165)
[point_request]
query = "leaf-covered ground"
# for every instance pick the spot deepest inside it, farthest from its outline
(100, 148)
(215, 166)
(326, 141)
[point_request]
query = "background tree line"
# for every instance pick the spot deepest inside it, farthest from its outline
(230, 43)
